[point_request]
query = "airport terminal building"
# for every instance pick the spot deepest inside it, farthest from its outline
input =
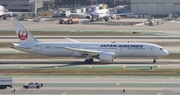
(148, 7)
(155, 7)
(24, 5)
(110, 3)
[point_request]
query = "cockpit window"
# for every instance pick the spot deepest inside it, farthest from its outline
(161, 48)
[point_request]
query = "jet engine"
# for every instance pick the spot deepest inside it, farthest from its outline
(11, 15)
(113, 17)
(89, 17)
(106, 57)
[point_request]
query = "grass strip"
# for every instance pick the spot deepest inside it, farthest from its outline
(92, 72)
(76, 33)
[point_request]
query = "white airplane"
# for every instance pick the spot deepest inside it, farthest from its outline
(5, 14)
(105, 52)
(103, 14)
(100, 14)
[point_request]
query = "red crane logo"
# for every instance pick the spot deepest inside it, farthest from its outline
(23, 34)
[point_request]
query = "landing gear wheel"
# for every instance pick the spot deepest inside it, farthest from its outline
(91, 60)
(88, 61)
(4, 17)
(106, 19)
(154, 61)
(92, 19)
(85, 61)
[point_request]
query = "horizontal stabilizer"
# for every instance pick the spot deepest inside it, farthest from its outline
(72, 40)
(19, 46)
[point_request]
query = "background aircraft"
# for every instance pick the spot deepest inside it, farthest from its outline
(4, 14)
(100, 14)
(105, 52)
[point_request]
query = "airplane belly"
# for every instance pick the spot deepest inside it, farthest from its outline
(134, 53)
(59, 52)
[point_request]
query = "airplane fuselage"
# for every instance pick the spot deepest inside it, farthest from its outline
(119, 49)
(105, 52)
(100, 13)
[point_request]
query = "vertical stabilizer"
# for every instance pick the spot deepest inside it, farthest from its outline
(92, 6)
(23, 34)
(2, 9)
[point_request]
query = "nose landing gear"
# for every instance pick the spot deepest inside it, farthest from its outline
(154, 61)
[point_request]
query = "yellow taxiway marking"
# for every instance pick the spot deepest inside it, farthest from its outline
(24, 77)
(159, 67)
(159, 94)
(17, 51)
(21, 67)
(117, 84)
(124, 67)
(64, 93)
(90, 67)
(56, 67)
(172, 78)
(98, 77)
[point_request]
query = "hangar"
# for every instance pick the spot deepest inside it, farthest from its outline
(155, 7)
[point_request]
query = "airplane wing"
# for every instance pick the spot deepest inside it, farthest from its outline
(121, 14)
(18, 45)
(80, 14)
(82, 51)
(173, 90)
(6, 13)
(72, 40)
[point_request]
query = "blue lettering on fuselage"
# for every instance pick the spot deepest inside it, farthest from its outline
(111, 45)
(108, 45)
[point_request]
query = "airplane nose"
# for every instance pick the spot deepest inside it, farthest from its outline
(166, 53)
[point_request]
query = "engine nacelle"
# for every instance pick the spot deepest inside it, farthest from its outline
(106, 57)
(89, 17)
(11, 15)
(113, 17)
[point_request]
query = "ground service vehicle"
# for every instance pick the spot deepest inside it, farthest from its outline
(5, 82)
(32, 85)
(37, 19)
(73, 20)
(68, 21)
(63, 20)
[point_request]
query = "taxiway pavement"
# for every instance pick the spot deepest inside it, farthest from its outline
(78, 63)
(98, 85)
(171, 28)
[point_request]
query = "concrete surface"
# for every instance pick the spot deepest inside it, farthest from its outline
(169, 28)
(96, 85)
(78, 63)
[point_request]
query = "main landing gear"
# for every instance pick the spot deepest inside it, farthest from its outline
(88, 61)
(4, 17)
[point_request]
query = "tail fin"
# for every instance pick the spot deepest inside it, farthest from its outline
(23, 34)
(92, 6)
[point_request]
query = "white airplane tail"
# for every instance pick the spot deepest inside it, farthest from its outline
(23, 34)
